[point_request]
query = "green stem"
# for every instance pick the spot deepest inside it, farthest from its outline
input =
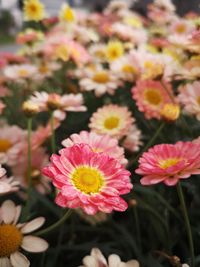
(53, 140)
(151, 141)
(137, 225)
(55, 225)
(28, 203)
(187, 222)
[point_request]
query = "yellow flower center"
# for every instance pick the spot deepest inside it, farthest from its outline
(111, 123)
(128, 69)
(5, 145)
(114, 50)
(198, 100)
(62, 52)
(10, 239)
(87, 179)
(181, 28)
(153, 97)
(101, 77)
(166, 163)
(23, 73)
(43, 69)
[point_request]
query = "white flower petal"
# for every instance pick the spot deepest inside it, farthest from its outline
(8, 211)
(19, 260)
(5, 262)
(113, 260)
(33, 225)
(34, 244)
(90, 261)
(133, 263)
(17, 214)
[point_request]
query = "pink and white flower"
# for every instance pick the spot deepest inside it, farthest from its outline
(89, 180)
(112, 120)
(7, 185)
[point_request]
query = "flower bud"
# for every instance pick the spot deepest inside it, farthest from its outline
(170, 112)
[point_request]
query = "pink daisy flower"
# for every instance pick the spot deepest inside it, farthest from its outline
(168, 163)
(39, 159)
(7, 185)
(132, 142)
(111, 120)
(189, 97)
(151, 96)
(89, 180)
(98, 143)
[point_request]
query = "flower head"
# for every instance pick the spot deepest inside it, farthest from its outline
(89, 180)
(98, 143)
(168, 163)
(189, 97)
(14, 236)
(97, 259)
(7, 185)
(114, 50)
(112, 120)
(33, 10)
(151, 96)
(67, 14)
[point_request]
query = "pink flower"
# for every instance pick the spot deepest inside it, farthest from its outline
(11, 138)
(7, 185)
(168, 163)
(189, 97)
(98, 143)
(151, 96)
(132, 142)
(89, 180)
(60, 104)
(39, 159)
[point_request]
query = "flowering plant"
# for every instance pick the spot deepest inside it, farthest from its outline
(99, 138)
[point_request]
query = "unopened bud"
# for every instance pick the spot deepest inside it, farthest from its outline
(170, 112)
(30, 109)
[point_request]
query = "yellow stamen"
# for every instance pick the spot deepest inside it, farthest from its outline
(5, 145)
(87, 179)
(23, 73)
(153, 97)
(166, 163)
(114, 50)
(129, 69)
(111, 123)
(10, 239)
(101, 77)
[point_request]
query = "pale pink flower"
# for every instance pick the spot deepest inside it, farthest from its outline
(181, 27)
(189, 97)
(168, 163)
(99, 80)
(60, 104)
(89, 180)
(112, 120)
(98, 143)
(132, 142)
(20, 72)
(97, 259)
(16, 236)
(39, 159)
(7, 185)
(11, 138)
(151, 96)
